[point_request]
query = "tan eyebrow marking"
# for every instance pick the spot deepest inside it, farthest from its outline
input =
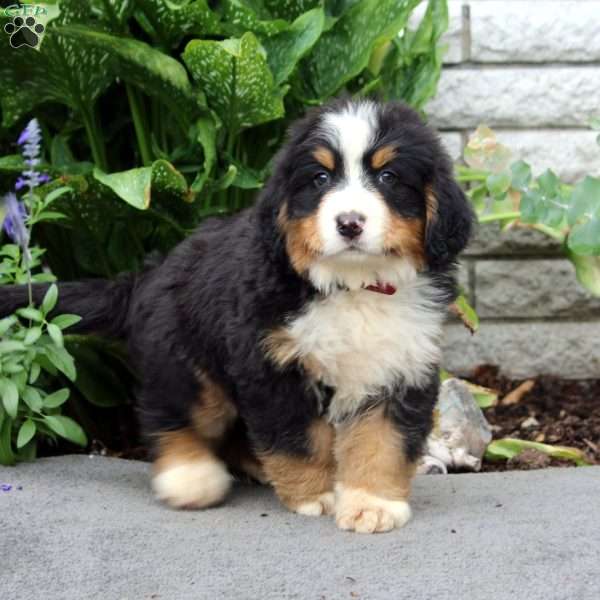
(382, 156)
(325, 157)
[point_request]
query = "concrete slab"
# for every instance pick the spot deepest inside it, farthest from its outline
(84, 528)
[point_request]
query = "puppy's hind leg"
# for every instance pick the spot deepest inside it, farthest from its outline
(186, 471)
(187, 474)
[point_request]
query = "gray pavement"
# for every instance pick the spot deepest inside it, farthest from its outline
(86, 528)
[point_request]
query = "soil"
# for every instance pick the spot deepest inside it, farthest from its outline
(554, 411)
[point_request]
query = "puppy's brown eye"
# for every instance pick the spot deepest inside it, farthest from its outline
(387, 177)
(321, 179)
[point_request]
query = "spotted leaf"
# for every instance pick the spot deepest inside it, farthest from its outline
(236, 78)
(155, 72)
(62, 71)
(238, 18)
(167, 22)
(285, 49)
(344, 51)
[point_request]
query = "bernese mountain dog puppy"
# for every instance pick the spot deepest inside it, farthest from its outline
(299, 340)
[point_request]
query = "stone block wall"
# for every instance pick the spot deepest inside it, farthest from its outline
(530, 69)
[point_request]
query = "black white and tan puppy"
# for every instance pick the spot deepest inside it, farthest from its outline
(299, 340)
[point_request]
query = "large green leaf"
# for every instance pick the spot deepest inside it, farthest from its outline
(285, 49)
(115, 12)
(238, 18)
(236, 79)
(155, 72)
(507, 448)
(169, 21)
(63, 70)
(344, 51)
(413, 63)
(289, 9)
(133, 186)
(587, 269)
(136, 186)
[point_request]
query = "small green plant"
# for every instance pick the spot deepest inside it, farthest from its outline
(32, 348)
(508, 192)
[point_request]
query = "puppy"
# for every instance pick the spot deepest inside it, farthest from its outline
(299, 340)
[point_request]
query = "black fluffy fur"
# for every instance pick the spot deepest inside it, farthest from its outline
(209, 303)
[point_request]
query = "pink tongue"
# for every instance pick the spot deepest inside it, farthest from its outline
(383, 288)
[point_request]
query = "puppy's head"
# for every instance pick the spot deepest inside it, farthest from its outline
(363, 193)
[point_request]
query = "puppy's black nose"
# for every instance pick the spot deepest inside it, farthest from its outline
(350, 225)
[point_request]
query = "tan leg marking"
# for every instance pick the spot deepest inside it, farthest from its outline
(187, 474)
(214, 413)
(373, 475)
(302, 239)
(305, 484)
(212, 421)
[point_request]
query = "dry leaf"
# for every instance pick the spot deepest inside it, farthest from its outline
(515, 396)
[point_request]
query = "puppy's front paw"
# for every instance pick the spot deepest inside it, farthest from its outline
(357, 510)
(321, 505)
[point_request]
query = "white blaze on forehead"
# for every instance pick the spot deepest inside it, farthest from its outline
(352, 132)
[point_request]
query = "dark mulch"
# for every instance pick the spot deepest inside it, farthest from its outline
(555, 411)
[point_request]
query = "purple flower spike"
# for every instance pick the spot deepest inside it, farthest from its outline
(24, 136)
(14, 221)
(44, 178)
(20, 184)
(30, 140)
(5, 487)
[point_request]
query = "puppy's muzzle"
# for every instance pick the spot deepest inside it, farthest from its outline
(350, 225)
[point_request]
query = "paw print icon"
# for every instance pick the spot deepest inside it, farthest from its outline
(24, 32)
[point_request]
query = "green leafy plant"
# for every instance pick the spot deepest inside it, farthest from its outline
(32, 350)
(157, 114)
(508, 448)
(508, 192)
(31, 345)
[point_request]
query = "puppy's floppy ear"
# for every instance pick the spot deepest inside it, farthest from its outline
(449, 220)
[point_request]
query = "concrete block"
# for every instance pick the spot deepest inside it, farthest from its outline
(531, 288)
(540, 31)
(521, 349)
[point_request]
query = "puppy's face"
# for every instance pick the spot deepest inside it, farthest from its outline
(367, 195)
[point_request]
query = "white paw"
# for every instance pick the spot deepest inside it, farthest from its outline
(323, 505)
(197, 484)
(357, 510)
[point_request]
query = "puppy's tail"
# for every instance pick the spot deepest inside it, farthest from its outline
(103, 305)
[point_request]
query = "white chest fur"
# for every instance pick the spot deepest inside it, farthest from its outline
(364, 341)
